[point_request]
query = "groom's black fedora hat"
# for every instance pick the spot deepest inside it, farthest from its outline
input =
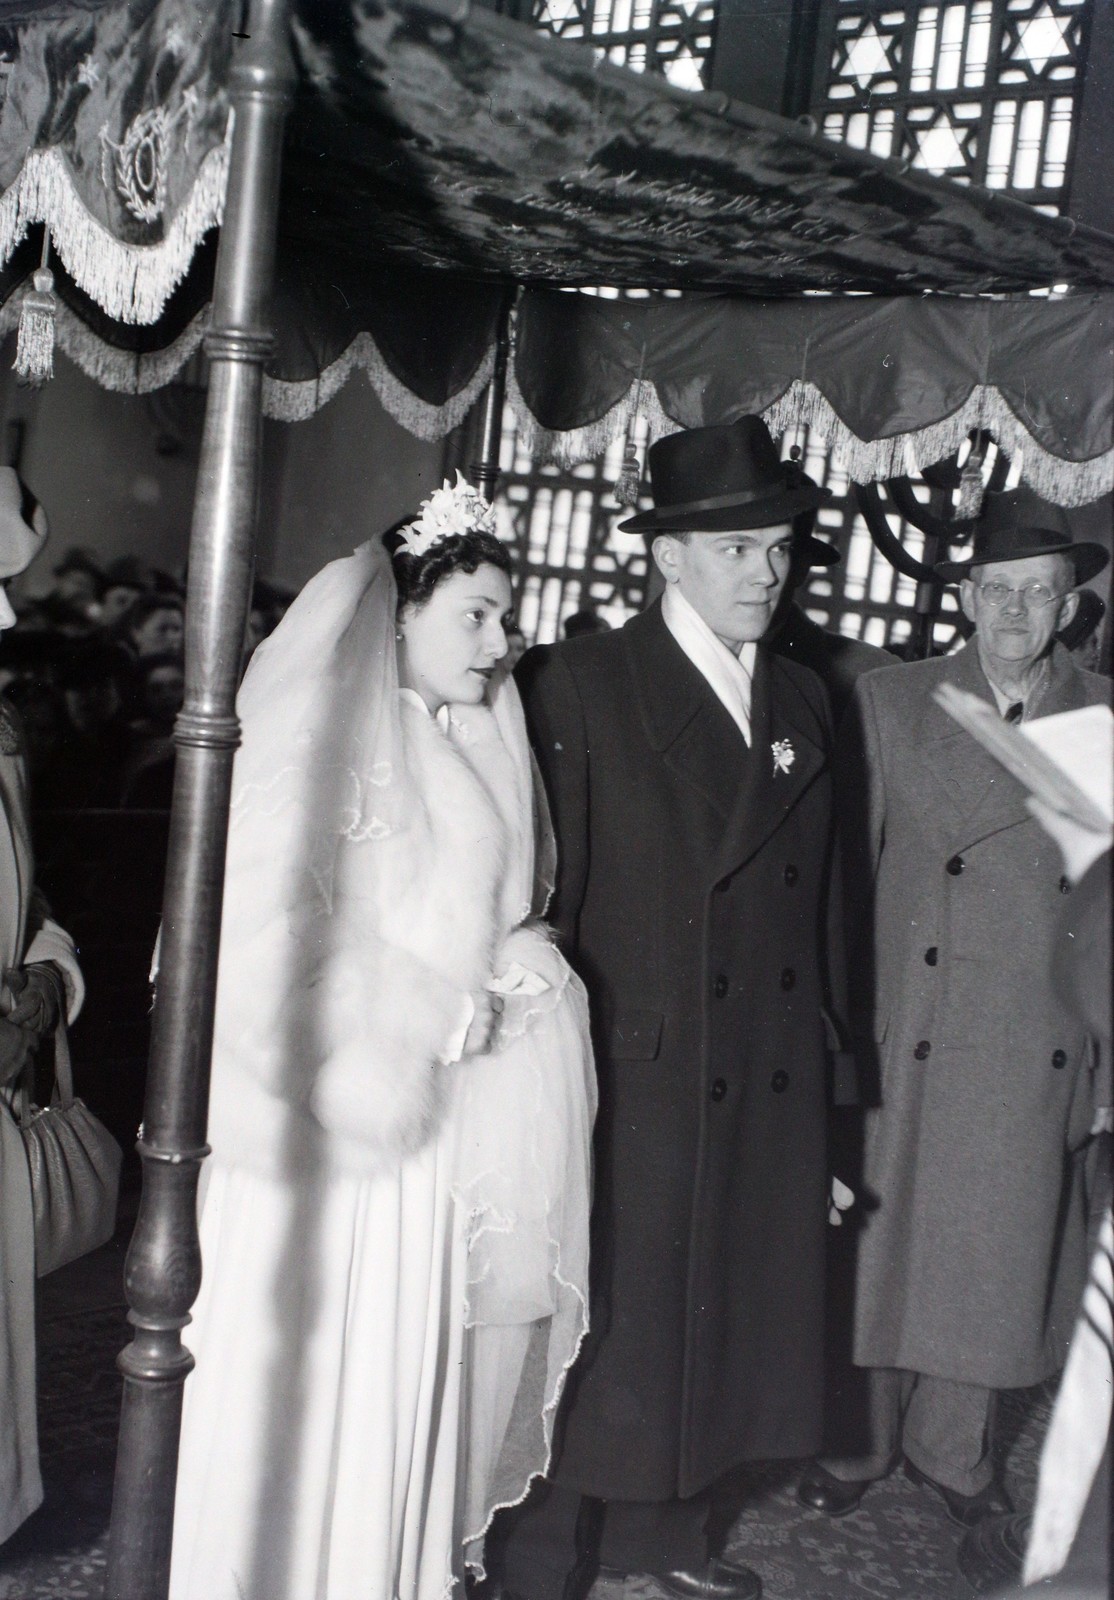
(723, 478)
(1018, 523)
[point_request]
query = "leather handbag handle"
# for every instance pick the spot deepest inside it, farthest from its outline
(63, 1067)
(63, 1078)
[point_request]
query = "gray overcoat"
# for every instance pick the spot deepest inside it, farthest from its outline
(972, 1251)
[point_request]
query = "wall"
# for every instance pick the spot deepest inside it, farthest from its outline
(96, 462)
(116, 472)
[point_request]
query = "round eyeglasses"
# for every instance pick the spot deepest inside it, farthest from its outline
(1032, 595)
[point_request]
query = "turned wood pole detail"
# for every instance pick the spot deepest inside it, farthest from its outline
(163, 1271)
(485, 470)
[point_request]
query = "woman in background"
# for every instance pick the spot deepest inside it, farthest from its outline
(394, 1222)
(40, 982)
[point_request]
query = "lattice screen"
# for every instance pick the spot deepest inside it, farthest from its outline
(984, 91)
(672, 37)
(568, 555)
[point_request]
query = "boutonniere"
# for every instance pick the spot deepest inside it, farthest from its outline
(784, 755)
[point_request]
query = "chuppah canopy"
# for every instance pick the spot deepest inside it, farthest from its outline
(436, 156)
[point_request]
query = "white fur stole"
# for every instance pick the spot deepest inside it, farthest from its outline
(331, 1020)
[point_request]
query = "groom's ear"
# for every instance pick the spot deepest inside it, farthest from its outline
(664, 550)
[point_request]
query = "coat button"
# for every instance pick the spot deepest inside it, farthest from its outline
(922, 1050)
(780, 1081)
(956, 865)
(719, 988)
(791, 875)
(931, 956)
(788, 977)
(719, 1089)
(1065, 886)
(1059, 1059)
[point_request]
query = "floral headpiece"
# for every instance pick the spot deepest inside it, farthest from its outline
(452, 509)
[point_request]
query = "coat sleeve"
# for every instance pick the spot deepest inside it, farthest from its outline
(1081, 979)
(860, 825)
(47, 941)
(1081, 963)
(555, 719)
(844, 1078)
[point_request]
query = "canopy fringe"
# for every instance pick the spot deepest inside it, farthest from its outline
(294, 402)
(593, 439)
(132, 283)
(122, 371)
(1065, 483)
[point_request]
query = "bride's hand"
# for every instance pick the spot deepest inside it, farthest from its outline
(487, 1008)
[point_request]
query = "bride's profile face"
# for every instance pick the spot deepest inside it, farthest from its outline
(450, 644)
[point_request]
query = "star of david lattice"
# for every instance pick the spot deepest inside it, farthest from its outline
(673, 38)
(1045, 42)
(867, 55)
(984, 91)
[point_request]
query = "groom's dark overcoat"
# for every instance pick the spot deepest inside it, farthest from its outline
(690, 899)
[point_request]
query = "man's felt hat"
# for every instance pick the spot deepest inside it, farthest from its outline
(1018, 523)
(725, 478)
(23, 525)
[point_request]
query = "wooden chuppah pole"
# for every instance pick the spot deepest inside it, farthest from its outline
(485, 470)
(163, 1271)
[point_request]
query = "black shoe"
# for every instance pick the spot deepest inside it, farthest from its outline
(835, 1497)
(965, 1509)
(991, 1554)
(716, 1580)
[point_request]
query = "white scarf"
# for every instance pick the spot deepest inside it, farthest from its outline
(729, 676)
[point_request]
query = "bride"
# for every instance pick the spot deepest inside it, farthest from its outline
(394, 1217)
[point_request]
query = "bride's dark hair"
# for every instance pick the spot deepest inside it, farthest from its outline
(418, 576)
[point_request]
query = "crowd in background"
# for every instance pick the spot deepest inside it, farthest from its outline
(94, 668)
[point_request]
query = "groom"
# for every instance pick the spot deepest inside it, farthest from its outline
(687, 771)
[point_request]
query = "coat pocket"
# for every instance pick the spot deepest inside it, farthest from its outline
(635, 1036)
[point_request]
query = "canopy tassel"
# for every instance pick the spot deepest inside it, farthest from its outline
(34, 355)
(628, 485)
(969, 503)
(629, 482)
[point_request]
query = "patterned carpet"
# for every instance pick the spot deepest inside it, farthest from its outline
(898, 1546)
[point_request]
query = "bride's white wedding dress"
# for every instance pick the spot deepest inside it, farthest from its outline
(394, 1244)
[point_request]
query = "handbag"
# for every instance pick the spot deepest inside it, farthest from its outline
(75, 1169)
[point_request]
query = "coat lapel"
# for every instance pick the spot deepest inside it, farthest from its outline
(684, 720)
(779, 717)
(958, 768)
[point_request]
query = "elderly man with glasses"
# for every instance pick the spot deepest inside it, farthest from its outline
(981, 1086)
